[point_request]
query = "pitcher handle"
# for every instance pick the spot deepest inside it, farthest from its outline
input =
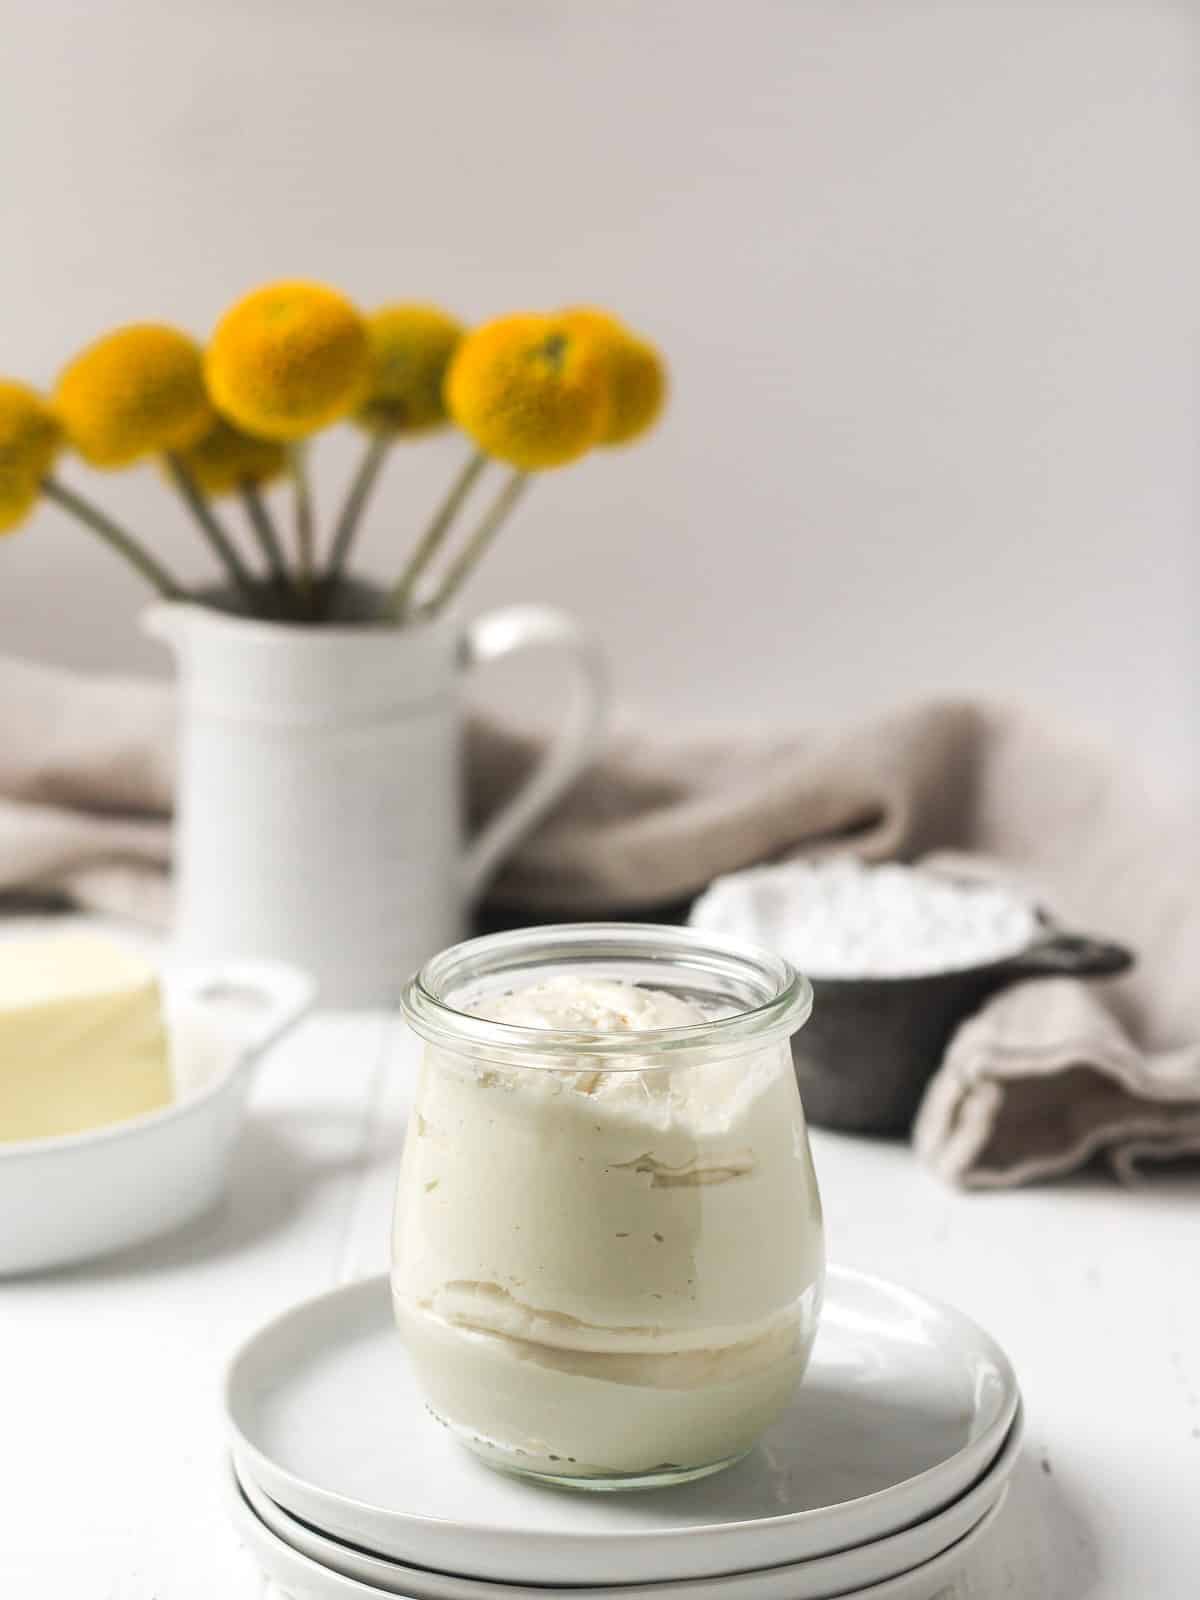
(503, 633)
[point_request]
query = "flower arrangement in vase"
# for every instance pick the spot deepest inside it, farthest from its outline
(531, 392)
(319, 790)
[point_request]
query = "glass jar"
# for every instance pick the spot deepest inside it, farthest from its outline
(608, 1254)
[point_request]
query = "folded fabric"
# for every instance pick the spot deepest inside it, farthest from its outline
(1048, 1074)
(1045, 1077)
(86, 768)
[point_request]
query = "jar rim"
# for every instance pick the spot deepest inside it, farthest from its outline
(785, 1006)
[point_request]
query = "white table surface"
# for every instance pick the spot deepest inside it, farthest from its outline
(112, 1470)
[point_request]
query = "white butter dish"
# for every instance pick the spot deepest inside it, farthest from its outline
(75, 1196)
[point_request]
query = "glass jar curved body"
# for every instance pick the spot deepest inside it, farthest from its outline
(608, 1250)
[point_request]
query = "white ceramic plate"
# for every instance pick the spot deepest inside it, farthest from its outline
(905, 1405)
(304, 1579)
(81, 1195)
(805, 1580)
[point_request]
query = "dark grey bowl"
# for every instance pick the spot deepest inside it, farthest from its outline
(865, 1055)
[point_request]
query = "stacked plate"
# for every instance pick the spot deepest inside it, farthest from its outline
(891, 1464)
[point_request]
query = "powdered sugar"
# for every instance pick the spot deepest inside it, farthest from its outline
(840, 919)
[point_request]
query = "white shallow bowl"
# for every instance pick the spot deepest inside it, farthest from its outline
(805, 1580)
(304, 1579)
(906, 1403)
(81, 1195)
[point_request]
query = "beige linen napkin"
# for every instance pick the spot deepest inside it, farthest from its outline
(1046, 1075)
(85, 789)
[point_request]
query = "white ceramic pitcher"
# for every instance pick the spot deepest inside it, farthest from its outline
(319, 812)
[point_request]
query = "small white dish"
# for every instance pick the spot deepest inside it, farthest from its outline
(906, 1403)
(805, 1580)
(82, 1195)
(305, 1579)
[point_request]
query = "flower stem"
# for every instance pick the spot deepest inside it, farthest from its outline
(222, 545)
(469, 556)
(124, 543)
(369, 469)
(298, 466)
(431, 540)
(264, 530)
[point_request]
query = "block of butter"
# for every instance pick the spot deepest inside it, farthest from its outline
(82, 1037)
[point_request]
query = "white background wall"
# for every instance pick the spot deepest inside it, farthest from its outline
(927, 274)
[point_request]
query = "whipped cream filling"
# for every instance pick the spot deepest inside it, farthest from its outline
(617, 1231)
(635, 1356)
(488, 1308)
(590, 1005)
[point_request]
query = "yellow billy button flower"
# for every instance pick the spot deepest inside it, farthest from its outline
(138, 391)
(29, 440)
(30, 437)
(18, 496)
(226, 458)
(530, 390)
(288, 359)
(637, 375)
(411, 348)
